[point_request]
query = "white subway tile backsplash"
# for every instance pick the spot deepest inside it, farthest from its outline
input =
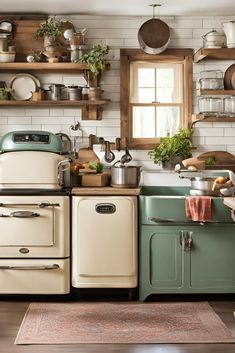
(86, 131)
(230, 132)
(208, 132)
(52, 128)
(111, 114)
(16, 120)
(108, 131)
(131, 43)
(3, 120)
(8, 128)
(112, 42)
(56, 112)
(185, 42)
(180, 22)
(220, 141)
(12, 111)
(181, 33)
(53, 120)
(76, 112)
(37, 112)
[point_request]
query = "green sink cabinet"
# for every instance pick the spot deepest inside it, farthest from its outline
(177, 256)
(169, 266)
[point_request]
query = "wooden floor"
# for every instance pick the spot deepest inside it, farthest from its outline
(12, 312)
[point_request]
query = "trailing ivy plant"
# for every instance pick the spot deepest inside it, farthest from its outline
(179, 145)
(96, 59)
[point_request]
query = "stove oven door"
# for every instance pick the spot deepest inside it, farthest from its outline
(34, 226)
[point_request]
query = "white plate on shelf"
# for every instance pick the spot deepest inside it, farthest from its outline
(23, 85)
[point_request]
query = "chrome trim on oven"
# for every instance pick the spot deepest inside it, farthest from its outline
(41, 204)
(45, 267)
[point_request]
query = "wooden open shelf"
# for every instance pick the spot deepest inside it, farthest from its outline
(214, 54)
(211, 118)
(53, 102)
(216, 92)
(41, 67)
(91, 109)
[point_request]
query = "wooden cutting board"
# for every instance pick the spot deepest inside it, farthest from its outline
(223, 160)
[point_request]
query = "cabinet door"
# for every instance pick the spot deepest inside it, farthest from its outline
(212, 259)
(104, 235)
(160, 260)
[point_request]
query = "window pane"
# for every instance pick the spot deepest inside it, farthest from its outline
(143, 122)
(146, 95)
(165, 77)
(168, 121)
(146, 77)
(165, 95)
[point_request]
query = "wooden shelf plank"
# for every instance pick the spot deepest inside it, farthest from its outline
(52, 102)
(53, 67)
(214, 54)
(211, 118)
(215, 92)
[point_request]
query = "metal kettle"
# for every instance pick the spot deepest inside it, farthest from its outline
(214, 39)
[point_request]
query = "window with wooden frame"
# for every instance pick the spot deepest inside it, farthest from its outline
(155, 95)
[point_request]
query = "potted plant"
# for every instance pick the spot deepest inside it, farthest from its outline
(172, 150)
(50, 30)
(96, 59)
(6, 93)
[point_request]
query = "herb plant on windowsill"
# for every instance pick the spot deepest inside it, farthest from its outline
(172, 150)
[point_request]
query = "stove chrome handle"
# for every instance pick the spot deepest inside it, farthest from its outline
(41, 204)
(21, 214)
(27, 267)
(24, 214)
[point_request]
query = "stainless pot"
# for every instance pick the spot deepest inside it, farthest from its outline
(202, 186)
(125, 176)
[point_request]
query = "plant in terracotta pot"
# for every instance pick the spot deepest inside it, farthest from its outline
(50, 30)
(172, 150)
(96, 59)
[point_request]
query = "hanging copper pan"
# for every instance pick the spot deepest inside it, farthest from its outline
(154, 36)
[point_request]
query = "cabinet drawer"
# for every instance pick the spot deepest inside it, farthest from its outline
(35, 276)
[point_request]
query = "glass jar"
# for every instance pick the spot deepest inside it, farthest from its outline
(229, 105)
(211, 83)
(211, 105)
(211, 74)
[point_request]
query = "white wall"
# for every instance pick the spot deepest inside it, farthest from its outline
(120, 32)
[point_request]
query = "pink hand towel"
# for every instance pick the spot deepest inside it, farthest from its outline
(198, 208)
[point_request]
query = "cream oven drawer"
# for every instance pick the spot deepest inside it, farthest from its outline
(30, 276)
(34, 226)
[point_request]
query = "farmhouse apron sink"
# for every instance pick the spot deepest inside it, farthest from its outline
(167, 205)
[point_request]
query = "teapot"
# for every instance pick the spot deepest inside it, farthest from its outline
(214, 39)
(229, 29)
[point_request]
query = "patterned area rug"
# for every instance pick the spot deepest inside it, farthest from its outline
(174, 322)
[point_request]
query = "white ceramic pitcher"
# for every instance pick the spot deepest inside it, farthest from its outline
(229, 30)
